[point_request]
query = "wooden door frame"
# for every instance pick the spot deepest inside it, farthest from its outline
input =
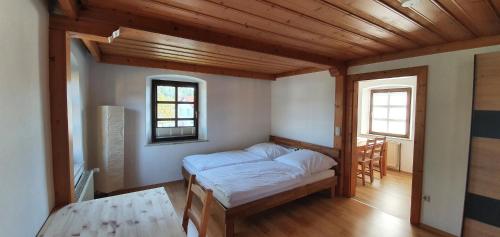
(351, 104)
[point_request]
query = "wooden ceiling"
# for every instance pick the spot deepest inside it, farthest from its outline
(269, 38)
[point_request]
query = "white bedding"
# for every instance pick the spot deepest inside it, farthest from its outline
(197, 163)
(239, 184)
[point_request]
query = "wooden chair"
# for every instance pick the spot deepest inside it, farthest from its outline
(193, 224)
(365, 160)
(378, 155)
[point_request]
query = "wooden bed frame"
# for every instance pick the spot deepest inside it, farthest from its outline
(228, 216)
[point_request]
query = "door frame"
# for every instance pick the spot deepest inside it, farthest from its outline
(351, 104)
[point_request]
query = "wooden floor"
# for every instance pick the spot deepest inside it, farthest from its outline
(315, 215)
(392, 194)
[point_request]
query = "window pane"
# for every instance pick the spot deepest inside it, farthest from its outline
(165, 124)
(397, 127)
(185, 110)
(185, 123)
(398, 98)
(165, 93)
(380, 98)
(379, 112)
(379, 125)
(186, 94)
(166, 111)
(397, 113)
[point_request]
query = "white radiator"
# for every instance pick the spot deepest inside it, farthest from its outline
(394, 155)
(85, 187)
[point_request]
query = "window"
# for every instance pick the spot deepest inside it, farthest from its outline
(390, 112)
(174, 110)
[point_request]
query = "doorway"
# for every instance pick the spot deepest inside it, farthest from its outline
(368, 101)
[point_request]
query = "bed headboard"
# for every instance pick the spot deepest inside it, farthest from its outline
(329, 151)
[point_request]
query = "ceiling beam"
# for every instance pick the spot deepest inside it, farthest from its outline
(108, 19)
(69, 7)
(441, 48)
(299, 72)
(104, 33)
(141, 62)
(93, 49)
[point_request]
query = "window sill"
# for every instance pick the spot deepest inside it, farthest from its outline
(388, 137)
(176, 142)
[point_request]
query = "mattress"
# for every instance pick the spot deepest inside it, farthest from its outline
(197, 163)
(239, 184)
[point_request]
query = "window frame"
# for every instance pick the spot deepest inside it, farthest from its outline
(408, 91)
(154, 104)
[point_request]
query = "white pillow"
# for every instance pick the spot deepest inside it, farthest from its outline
(268, 150)
(310, 162)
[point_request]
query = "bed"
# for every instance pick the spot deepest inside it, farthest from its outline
(247, 188)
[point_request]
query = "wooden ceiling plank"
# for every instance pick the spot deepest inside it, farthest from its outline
(333, 15)
(93, 49)
(382, 14)
(480, 17)
(167, 57)
(69, 7)
(435, 17)
(197, 34)
(254, 21)
(187, 57)
(284, 16)
(183, 67)
(201, 54)
(181, 15)
(201, 46)
(441, 48)
(298, 72)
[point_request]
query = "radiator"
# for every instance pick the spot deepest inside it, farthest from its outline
(394, 155)
(85, 187)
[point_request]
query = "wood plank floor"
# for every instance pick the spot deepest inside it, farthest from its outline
(315, 215)
(392, 194)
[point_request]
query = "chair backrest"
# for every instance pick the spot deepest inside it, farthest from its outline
(367, 150)
(379, 147)
(205, 196)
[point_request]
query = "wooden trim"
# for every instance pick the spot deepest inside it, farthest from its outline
(141, 62)
(93, 49)
(419, 137)
(340, 74)
(69, 7)
(112, 19)
(59, 75)
(435, 49)
(298, 72)
(136, 189)
(408, 111)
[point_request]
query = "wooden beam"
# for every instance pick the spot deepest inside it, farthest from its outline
(93, 49)
(59, 73)
(299, 72)
(69, 7)
(340, 74)
(104, 33)
(442, 48)
(141, 62)
(108, 19)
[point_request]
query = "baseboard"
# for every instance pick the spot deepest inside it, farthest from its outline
(436, 231)
(136, 189)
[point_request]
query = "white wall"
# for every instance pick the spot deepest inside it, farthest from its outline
(364, 97)
(238, 115)
(303, 107)
(78, 93)
(25, 164)
(449, 103)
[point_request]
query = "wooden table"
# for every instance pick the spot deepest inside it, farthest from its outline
(143, 214)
